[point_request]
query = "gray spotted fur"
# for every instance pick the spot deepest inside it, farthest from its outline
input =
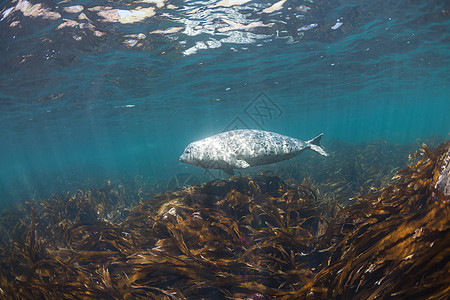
(243, 148)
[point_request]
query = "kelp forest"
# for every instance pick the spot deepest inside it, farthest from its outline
(349, 231)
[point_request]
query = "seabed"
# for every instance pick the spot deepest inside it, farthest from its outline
(256, 237)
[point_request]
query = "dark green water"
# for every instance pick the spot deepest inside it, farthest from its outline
(96, 101)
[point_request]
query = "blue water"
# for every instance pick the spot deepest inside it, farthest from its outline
(97, 101)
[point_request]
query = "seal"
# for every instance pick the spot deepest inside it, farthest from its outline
(243, 148)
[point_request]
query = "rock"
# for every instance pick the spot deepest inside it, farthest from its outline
(443, 182)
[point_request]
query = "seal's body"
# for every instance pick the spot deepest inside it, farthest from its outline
(243, 148)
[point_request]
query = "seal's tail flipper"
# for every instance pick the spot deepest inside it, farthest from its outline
(314, 145)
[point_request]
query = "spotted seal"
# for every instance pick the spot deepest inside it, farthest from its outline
(243, 148)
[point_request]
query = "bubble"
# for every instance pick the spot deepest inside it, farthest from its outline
(303, 8)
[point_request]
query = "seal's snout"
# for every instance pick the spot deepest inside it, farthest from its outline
(183, 157)
(186, 156)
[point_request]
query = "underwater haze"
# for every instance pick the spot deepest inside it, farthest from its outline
(92, 91)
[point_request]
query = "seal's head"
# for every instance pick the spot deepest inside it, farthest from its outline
(200, 153)
(189, 154)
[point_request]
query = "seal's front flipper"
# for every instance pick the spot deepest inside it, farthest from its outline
(236, 163)
(229, 171)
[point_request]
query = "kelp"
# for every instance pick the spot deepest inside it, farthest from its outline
(244, 238)
(395, 243)
(350, 171)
